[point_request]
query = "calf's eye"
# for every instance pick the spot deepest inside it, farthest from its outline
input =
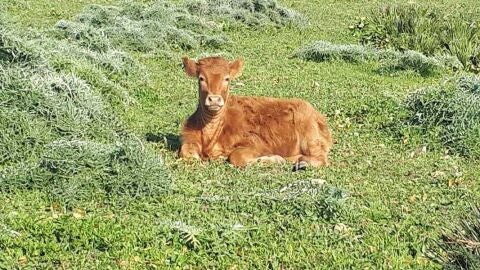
(227, 79)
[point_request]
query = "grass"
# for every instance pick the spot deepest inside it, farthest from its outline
(426, 29)
(140, 27)
(60, 132)
(382, 203)
(450, 113)
(253, 14)
(460, 248)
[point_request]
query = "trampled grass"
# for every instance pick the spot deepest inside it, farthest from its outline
(127, 202)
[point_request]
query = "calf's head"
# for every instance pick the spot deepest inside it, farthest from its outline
(214, 75)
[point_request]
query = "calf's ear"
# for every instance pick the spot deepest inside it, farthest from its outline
(190, 67)
(236, 68)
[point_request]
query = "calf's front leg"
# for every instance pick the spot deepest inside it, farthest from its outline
(190, 151)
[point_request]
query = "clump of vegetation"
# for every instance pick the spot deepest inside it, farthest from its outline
(303, 199)
(460, 248)
(391, 60)
(141, 27)
(73, 171)
(424, 29)
(321, 51)
(112, 71)
(450, 113)
(252, 13)
(309, 198)
(166, 26)
(409, 60)
(59, 132)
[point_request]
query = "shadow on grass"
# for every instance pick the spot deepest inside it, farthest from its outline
(171, 140)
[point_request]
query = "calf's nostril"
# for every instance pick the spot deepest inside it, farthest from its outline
(214, 100)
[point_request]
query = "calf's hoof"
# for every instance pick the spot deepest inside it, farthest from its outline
(300, 165)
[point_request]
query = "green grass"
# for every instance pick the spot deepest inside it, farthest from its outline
(459, 247)
(426, 29)
(384, 202)
(450, 113)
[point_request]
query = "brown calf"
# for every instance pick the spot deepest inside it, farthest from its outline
(249, 129)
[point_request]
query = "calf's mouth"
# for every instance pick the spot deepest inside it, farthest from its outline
(214, 108)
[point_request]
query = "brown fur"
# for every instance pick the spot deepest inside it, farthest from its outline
(249, 129)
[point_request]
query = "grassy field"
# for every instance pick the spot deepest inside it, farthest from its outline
(385, 199)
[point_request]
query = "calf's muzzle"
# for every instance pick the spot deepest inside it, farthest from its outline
(214, 102)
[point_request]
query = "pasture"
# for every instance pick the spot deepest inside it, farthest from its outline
(92, 103)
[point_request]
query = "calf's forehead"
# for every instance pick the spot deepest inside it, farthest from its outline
(213, 66)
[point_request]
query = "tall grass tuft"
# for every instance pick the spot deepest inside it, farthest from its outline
(460, 248)
(450, 113)
(428, 30)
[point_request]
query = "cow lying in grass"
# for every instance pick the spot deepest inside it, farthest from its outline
(249, 129)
